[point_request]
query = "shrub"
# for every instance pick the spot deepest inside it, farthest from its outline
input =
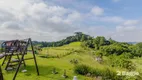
(82, 69)
(87, 44)
(117, 48)
(105, 73)
(120, 61)
(98, 54)
(74, 61)
(109, 74)
(127, 55)
(128, 65)
(95, 72)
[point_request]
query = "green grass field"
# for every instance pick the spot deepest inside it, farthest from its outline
(59, 58)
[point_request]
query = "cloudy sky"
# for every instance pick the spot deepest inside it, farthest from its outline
(52, 20)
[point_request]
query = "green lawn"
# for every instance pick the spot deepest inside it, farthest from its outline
(62, 63)
(46, 66)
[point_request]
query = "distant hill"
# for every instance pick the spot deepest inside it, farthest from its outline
(79, 36)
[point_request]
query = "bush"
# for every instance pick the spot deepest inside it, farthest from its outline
(95, 72)
(98, 54)
(109, 74)
(117, 49)
(87, 44)
(105, 73)
(82, 69)
(127, 55)
(74, 61)
(128, 65)
(120, 61)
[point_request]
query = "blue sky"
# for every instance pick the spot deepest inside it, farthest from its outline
(52, 20)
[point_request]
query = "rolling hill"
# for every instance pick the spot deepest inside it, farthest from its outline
(59, 58)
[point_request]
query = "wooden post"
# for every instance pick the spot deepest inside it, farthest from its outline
(1, 75)
(22, 58)
(34, 56)
(20, 61)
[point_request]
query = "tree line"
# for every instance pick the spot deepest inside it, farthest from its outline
(79, 36)
(106, 46)
(110, 46)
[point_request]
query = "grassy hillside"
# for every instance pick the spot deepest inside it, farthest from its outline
(59, 58)
(46, 65)
(61, 51)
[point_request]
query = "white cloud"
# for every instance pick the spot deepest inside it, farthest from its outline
(128, 36)
(36, 19)
(41, 21)
(74, 16)
(129, 30)
(127, 25)
(125, 28)
(55, 19)
(111, 19)
(131, 22)
(11, 25)
(97, 11)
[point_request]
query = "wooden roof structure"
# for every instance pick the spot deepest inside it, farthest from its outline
(17, 48)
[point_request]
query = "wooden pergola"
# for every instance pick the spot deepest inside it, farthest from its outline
(17, 48)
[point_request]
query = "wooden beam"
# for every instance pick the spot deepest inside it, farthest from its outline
(34, 57)
(1, 74)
